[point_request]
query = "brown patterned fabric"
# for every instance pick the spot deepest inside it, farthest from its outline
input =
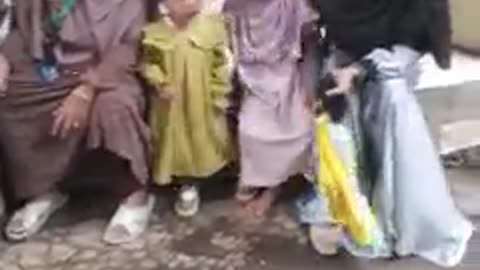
(97, 44)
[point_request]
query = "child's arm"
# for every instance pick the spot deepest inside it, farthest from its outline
(151, 70)
(153, 73)
(220, 82)
(221, 71)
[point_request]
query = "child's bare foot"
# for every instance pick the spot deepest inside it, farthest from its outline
(258, 207)
(245, 194)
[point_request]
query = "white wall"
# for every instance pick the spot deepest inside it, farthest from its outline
(466, 23)
(465, 68)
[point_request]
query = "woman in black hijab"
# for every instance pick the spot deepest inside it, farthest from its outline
(410, 194)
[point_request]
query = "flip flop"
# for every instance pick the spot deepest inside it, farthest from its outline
(128, 223)
(33, 216)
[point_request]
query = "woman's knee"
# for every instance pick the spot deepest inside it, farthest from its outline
(113, 104)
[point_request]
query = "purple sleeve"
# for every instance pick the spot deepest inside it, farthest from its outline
(230, 6)
(306, 13)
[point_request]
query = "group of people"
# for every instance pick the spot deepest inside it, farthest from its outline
(151, 85)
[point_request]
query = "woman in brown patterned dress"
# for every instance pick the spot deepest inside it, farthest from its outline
(69, 87)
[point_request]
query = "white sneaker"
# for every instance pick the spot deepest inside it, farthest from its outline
(188, 201)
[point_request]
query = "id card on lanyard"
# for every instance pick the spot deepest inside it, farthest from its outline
(47, 68)
(48, 73)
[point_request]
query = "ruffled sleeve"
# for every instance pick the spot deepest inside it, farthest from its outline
(221, 62)
(154, 44)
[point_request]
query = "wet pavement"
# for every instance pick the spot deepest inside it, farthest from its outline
(215, 239)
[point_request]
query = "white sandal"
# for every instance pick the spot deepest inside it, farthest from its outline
(129, 221)
(33, 216)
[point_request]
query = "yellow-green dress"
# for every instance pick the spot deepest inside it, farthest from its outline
(190, 130)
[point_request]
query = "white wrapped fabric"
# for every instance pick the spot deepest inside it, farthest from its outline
(410, 194)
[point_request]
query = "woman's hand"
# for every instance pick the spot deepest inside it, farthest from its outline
(344, 79)
(73, 114)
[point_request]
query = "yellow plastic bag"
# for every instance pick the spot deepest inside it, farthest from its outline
(334, 180)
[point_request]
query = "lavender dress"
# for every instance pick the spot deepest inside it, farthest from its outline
(274, 125)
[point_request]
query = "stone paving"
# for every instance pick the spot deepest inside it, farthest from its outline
(216, 239)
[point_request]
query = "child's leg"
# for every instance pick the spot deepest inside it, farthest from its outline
(262, 204)
(259, 205)
(245, 194)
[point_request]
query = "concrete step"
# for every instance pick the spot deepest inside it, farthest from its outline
(450, 100)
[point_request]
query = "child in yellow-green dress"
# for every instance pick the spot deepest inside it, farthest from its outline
(185, 62)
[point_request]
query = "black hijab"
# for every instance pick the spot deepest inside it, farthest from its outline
(359, 26)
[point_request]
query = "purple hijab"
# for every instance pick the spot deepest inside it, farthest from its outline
(267, 30)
